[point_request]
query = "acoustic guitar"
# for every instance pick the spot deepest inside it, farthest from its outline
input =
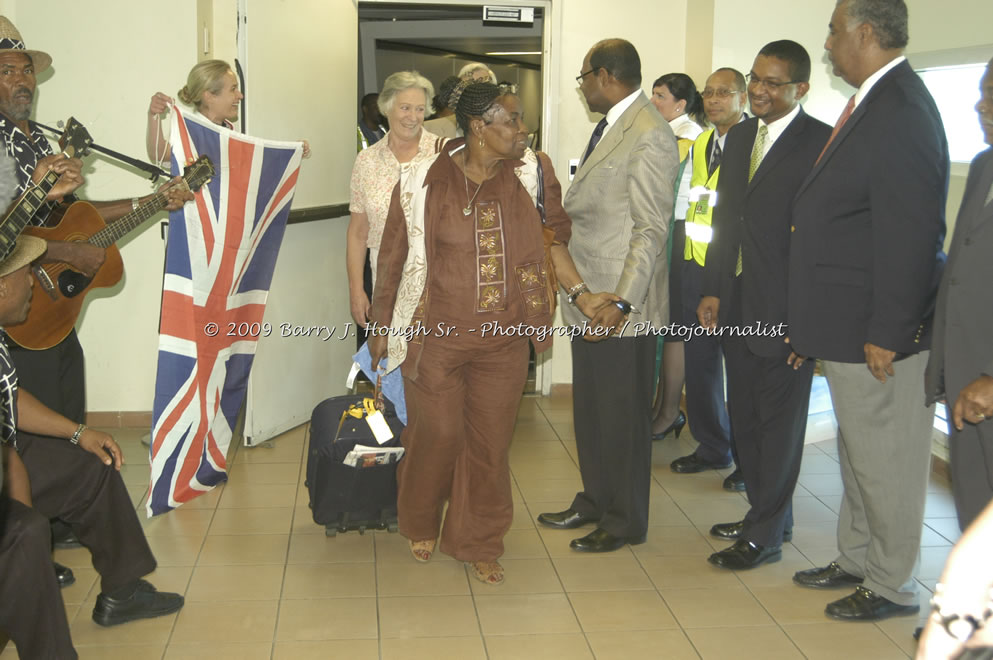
(75, 142)
(53, 316)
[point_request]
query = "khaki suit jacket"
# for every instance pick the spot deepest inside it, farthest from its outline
(621, 204)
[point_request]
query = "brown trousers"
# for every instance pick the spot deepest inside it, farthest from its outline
(461, 413)
(31, 609)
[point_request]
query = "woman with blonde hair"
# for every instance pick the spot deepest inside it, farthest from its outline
(212, 89)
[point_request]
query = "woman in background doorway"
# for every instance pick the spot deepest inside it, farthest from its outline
(404, 100)
(676, 97)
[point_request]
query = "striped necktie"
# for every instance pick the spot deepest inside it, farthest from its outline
(837, 127)
(595, 138)
(758, 153)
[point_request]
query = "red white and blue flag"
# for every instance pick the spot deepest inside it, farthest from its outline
(220, 258)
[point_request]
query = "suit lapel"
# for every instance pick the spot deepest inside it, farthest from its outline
(877, 90)
(613, 137)
(975, 199)
(780, 148)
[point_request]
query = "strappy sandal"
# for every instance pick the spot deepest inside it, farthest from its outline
(487, 572)
(422, 550)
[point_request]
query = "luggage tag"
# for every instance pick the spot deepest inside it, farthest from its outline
(350, 381)
(380, 429)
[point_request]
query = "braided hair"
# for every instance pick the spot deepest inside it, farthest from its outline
(472, 99)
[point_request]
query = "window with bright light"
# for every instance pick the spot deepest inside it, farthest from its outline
(956, 91)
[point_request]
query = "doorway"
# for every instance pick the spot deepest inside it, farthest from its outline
(437, 38)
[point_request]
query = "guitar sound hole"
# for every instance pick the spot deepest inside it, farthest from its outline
(71, 283)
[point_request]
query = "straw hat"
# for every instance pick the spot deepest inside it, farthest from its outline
(11, 42)
(28, 249)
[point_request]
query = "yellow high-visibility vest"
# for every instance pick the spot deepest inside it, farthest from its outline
(703, 199)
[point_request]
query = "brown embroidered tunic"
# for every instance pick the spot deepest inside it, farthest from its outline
(485, 269)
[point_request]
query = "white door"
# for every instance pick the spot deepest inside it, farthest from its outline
(300, 69)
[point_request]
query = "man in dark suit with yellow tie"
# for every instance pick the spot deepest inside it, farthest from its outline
(766, 158)
(865, 261)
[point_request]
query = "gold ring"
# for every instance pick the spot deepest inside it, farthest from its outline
(980, 415)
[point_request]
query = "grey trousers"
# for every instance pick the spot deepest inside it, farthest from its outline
(884, 446)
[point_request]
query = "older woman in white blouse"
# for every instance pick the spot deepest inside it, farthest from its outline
(404, 100)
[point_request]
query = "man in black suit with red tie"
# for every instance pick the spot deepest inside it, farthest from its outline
(745, 286)
(865, 261)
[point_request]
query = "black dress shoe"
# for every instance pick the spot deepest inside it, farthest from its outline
(63, 575)
(676, 427)
(144, 603)
(831, 576)
(867, 605)
(734, 482)
(691, 463)
(568, 519)
(744, 555)
(600, 541)
(917, 633)
(733, 530)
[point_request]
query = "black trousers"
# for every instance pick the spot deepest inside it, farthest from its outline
(768, 401)
(971, 454)
(705, 409)
(612, 383)
(31, 608)
(72, 484)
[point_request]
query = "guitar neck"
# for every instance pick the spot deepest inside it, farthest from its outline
(116, 230)
(20, 216)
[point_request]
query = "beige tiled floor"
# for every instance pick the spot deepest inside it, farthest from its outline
(262, 580)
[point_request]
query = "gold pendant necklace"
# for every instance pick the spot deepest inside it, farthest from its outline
(467, 211)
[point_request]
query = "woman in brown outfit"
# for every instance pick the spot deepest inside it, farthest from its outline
(461, 270)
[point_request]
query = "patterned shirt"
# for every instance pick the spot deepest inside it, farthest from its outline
(8, 395)
(27, 150)
(375, 175)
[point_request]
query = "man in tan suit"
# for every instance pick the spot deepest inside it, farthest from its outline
(621, 207)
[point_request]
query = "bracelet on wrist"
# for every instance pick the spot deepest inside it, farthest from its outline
(958, 626)
(577, 291)
(74, 438)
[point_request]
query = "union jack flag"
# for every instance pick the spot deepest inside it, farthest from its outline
(220, 258)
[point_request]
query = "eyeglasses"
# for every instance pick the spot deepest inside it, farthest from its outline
(768, 84)
(579, 78)
(721, 93)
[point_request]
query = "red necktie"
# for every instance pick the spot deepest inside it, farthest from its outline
(837, 127)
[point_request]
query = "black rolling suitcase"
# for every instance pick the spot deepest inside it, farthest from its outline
(343, 497)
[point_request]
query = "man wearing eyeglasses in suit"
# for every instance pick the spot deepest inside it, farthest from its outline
(724, 99)
(621, 207)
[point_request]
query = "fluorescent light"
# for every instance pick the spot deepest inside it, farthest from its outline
(515, 52)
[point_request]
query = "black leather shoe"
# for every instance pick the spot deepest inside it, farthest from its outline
(867, 605)
(63, 575)
(568, 519)
(676, 427)
(831, 576)
(144, 603)
(601, 541)
(744, 555)
(734, 482)
(691, 463)
(733, 530)
(917, 633)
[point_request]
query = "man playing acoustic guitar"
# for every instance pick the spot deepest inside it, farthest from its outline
(110, 527)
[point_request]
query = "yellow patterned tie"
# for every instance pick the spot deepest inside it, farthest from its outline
(758, 151)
